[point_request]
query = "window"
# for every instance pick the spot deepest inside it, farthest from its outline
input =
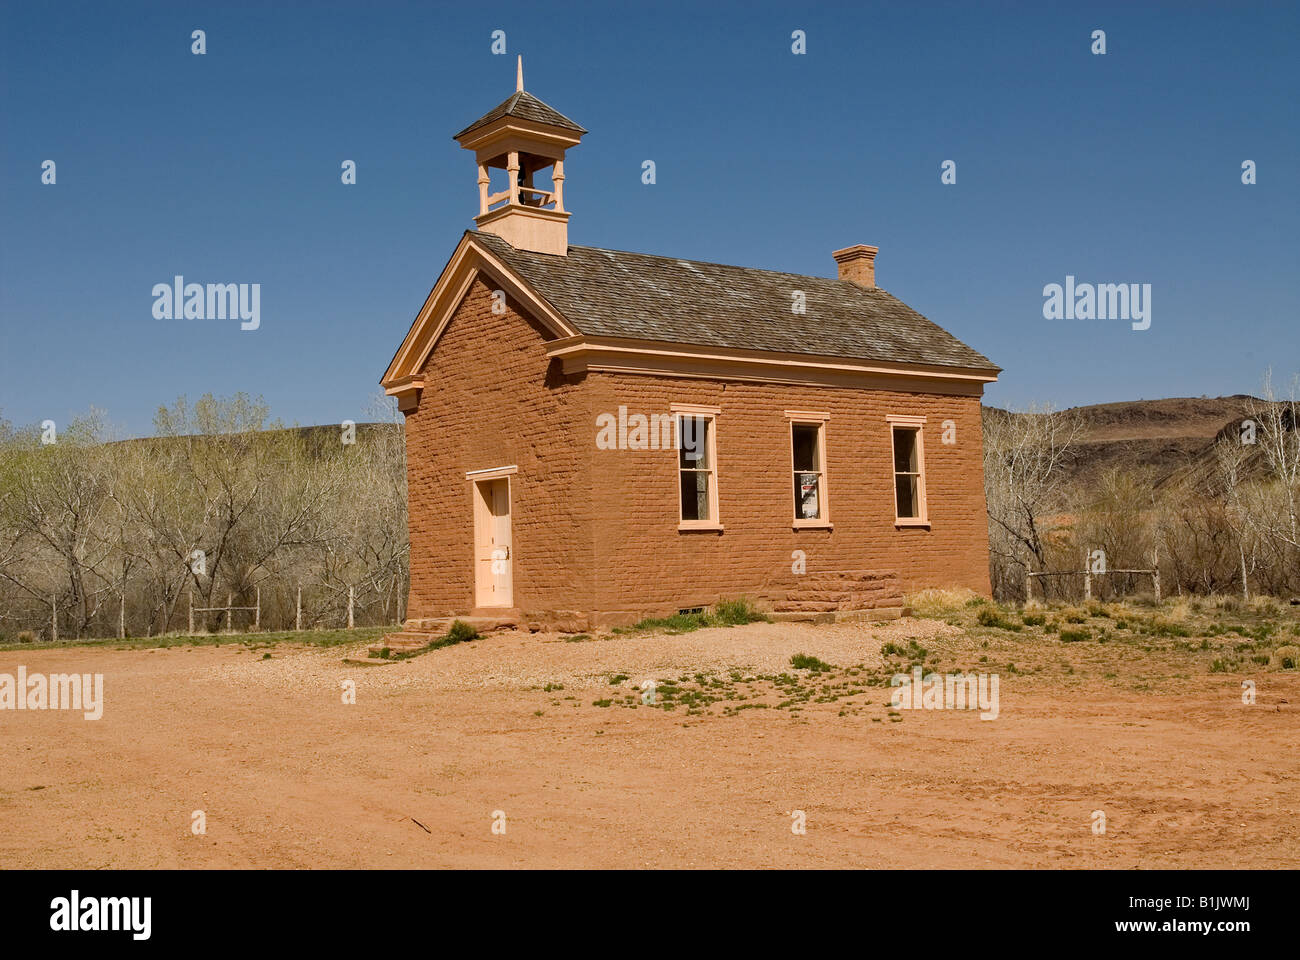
(697, 471)
(909, 470)
(808, 458)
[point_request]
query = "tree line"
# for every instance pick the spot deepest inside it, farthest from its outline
(1228, 524)
(101, 537)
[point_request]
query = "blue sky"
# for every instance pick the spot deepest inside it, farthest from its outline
(1122, 168)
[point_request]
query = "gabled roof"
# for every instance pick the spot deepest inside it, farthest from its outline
(525, 106)
(614, 293)
(612, 300)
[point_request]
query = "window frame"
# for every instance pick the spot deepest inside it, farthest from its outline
(806, 418)
(917, 426)
(682, 411)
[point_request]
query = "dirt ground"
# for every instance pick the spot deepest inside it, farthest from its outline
(439, 748)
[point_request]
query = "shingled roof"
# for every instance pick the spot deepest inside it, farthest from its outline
(524, 105)
(613, 293)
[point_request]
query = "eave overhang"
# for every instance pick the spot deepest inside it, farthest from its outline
(622, 355)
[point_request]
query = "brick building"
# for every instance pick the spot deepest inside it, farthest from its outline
(594, 436)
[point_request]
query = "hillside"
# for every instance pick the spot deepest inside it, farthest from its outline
(1166, 439)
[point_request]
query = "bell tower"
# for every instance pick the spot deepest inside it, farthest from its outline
(525, 138)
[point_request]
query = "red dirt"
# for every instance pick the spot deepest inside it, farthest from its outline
(288, 776)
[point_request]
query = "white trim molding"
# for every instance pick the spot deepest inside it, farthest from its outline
(491, 473)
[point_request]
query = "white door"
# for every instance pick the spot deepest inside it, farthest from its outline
(493, 559)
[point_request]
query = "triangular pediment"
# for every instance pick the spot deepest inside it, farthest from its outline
(470, 260)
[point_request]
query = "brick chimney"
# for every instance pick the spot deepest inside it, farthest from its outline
(858, 265)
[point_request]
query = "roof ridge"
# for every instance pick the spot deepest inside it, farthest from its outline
(706, 263)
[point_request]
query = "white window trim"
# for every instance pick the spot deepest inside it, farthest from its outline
(823, 496)
(680, 411)
(917, 424)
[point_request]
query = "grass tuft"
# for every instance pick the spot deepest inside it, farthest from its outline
(725, 613)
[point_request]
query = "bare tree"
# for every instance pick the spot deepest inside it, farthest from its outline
(1277, 421)
(1025, 455)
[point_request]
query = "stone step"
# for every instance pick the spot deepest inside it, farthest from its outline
(826, 593)
(859, 574)
(838, 616)
(874, 603)
(849, 583)
(803, 616)
(874, 614)
(438, 626)
(804, 606)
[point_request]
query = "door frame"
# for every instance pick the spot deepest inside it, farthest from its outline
(481, 515)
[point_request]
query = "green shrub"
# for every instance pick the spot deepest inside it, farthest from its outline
(801, 661)
(459, 632)
(733, 613)
(725, 613)
(991, 617)
(26, 636)
(1034, 619)
(913, 650)
(1075, 636)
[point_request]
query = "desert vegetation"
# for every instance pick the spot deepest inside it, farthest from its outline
(1223, 521)
(222, 507)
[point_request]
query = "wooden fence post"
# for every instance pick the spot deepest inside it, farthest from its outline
(191, 612)
(54, 618)
(351, 597)
(121, 617)
(1155, 573)
(230, 602)
(1087, 577)
(257, 612)
(297, 618)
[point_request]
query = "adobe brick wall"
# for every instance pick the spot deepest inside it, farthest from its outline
(646, 564)
(492, 398)
(595, 531)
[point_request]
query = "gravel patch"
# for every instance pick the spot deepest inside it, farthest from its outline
(514, 659)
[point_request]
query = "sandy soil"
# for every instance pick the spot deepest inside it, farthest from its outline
(290, 776)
